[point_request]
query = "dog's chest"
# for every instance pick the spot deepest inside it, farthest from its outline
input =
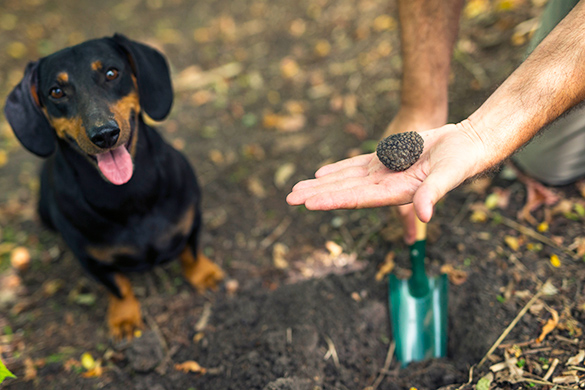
(146, 241)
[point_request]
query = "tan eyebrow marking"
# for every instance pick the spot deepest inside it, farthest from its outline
(63, 77)
(97, 65)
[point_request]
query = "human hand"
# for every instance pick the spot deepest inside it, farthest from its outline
(414, 119)
(451, 154)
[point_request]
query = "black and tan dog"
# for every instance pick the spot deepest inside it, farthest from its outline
(122, 198)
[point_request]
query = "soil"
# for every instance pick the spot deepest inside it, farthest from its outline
(266, 92)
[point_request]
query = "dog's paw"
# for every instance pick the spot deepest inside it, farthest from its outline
(124, 318)
(202, 273)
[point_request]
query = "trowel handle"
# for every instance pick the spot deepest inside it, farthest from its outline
(421, 229)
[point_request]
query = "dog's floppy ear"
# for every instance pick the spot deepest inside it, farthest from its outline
(23, 111)
(152, 74)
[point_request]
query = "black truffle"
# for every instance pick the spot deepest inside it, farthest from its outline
(399, 151)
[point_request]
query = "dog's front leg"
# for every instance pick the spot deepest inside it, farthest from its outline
(124, 315)
(200, 272)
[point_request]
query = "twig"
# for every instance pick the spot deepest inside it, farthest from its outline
(276, 233)
(513, 323)
(537, 236)
(470, 378)
(204, 320)
(551, 369)
(387, 364)
(332, 352)
(161, 368)
(543, 382)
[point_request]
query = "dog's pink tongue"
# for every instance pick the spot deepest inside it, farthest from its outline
(116, 165)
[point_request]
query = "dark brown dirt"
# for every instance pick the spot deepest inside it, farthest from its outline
(308, 83)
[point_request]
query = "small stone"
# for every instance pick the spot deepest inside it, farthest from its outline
(398, 152)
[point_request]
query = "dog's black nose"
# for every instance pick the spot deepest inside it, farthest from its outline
(105, 136)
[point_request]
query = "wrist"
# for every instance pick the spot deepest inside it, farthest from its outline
(417, 119)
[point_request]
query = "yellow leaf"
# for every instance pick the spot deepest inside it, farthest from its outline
(475, 8)
(478, 216)
(505, 5)
(322, 48)
(491, 201)
(555, 261)
(3, 157)
(384, 22)
(512, 242)
(87, 361)
(8, 21)
(16, 50)
(542, 227)
(289, 68)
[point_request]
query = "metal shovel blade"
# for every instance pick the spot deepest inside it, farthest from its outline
(418, 311)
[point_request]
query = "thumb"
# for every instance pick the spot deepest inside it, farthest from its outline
(432, 189)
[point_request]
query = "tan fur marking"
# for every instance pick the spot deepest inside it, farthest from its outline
(122, 110)
(200, 272)
(97, 65)
(124, 316)
(108, 255)
(34, 94)
(62, 77)
(182, 227)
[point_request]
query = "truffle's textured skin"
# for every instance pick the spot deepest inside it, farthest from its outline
(399, 151)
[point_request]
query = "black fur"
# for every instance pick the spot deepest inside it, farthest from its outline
(75, 198)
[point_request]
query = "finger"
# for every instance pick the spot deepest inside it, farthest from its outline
(361, 160)
(364, 196)
(299, 196)
(338, 176)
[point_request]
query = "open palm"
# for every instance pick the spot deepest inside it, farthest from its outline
(450, 156)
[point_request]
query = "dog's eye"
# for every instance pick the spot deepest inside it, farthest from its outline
(111, 74)
(57, 93)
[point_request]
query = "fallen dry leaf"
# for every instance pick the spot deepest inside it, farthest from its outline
(322, 48)
(279, 252)
(289, 68)
(456, 276)
(334, 249)
(30, 371)
(190, 366)
(513, 242)
(577, 359)
(20, 258)
(550, 325)
(566, 379)
(386, 267)
(283, 174)
(256, 187)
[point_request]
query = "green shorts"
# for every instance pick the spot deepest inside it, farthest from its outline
(557, 155)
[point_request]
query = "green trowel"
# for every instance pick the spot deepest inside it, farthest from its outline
(418, 308)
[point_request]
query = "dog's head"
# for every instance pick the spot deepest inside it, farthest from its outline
(91, 95)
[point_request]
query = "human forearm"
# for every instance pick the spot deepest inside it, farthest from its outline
(428, 30)
(549, 82)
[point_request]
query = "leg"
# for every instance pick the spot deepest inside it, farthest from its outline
(124, 316)
(201, 272)
(428, 30)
